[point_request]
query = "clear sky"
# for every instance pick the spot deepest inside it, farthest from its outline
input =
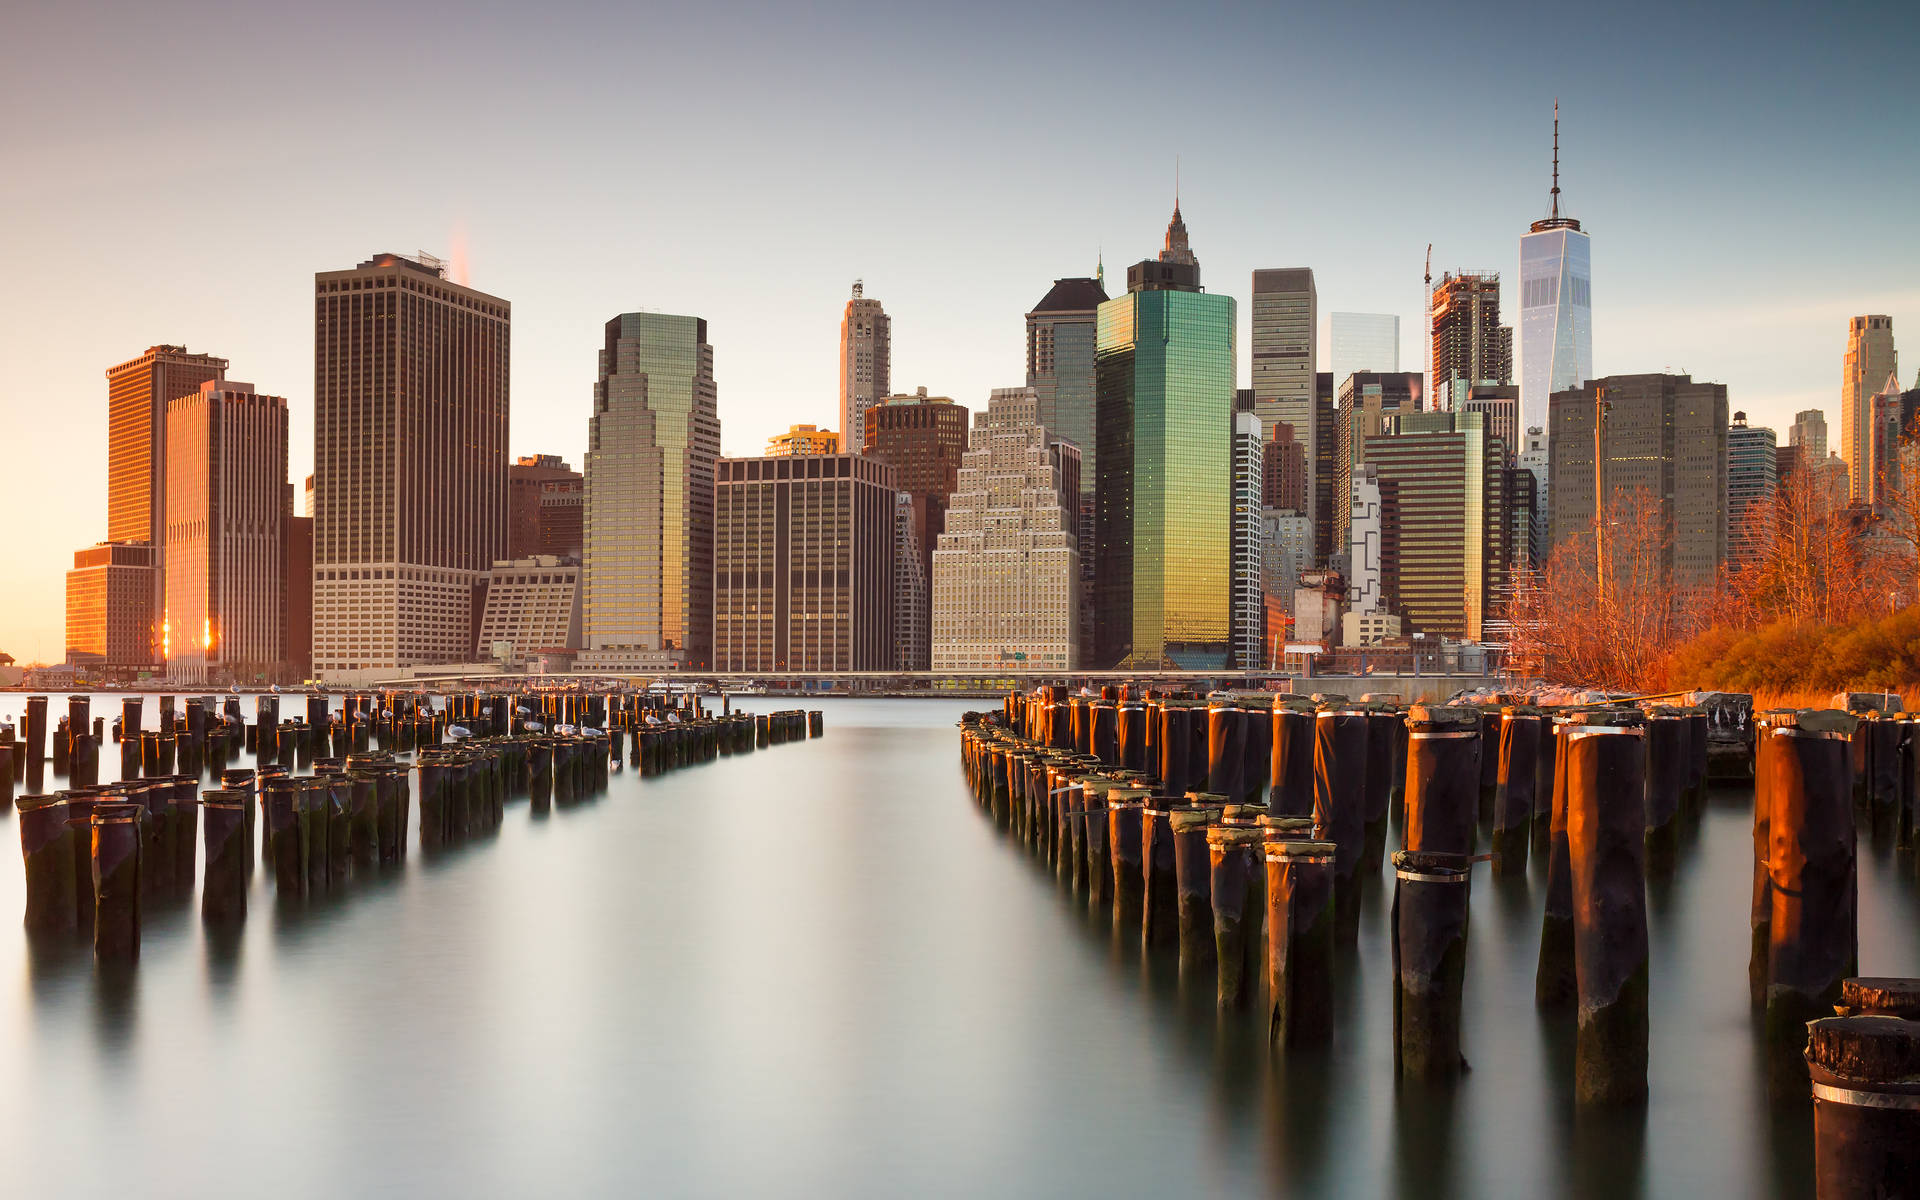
(176, 172)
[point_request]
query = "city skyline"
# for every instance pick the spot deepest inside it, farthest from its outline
(542, 238)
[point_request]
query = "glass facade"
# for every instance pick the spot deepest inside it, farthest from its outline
(1165, 368)
(652, 444)
(1364, 342)
(1556, 318)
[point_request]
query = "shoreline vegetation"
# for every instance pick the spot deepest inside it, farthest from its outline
(1817, 601)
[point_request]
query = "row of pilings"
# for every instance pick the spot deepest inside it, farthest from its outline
(97, 855)
(1235, 831)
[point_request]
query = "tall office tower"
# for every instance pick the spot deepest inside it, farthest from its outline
(1287, 554)
(803, 563)
(1442, 485)
(1285, 486)
(1556, 304)
(1665, 445)
(532, 609)
(1060, 370)
(410, 379)
(803, 439)
(1533, 460)
(1367, 400)
(1752, 475)
(866, 365)
(1165, 369)
(1249, 624)
(1809, 432)
(1522, 503)
(1286, 324)
(1321, 463)
(911, 572)
(1006, 576)
(647, 577)
(137, 394)
(1500, 402)
(1364, 342)
(296, 588)
(923, 437)
(546, 508)
(1893, 413)
(1367, 534)
(225, 562)
(110, 593)
(1467, 343)
(1870, 359)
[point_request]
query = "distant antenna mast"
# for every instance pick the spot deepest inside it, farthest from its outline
(1427, 321)
(1556, 158)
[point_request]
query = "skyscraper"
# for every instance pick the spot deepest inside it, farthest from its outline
(110, 621)
(1286, 472)
(1809, 432)
(1870, 359)
(1367, 400)
(1165, 362)
(1442, 495)
(226, 492)
(803, 439)
(1893, 415)
(1286, 323)
(1556, 304)
(647, 578)
(137, 394)
(1060, 370)
(923, 437)
(546, 508)
(1006, 576)
(1751, 480)
(1364, 342)
(1469, 346)
(411, 404)
(866, 364)
(803, 563)
(1247, 543)
(911, 572)
(1665, 443)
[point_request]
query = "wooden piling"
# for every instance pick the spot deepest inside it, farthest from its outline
(1300, 943)
(1866, 1106)
(223, 822)
(117, 854)
(47, 846)
(1430, 907)
(1606, 843)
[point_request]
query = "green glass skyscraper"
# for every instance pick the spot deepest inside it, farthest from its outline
(1164, 368)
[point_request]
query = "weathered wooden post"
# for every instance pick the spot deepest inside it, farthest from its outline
(1291, 772)
(1813, 931)
(1176, 743)
(1300, 942)
(1132, 734)
(223, 892)
(1257, 765)
(1339, 798)
(1866, 1106)
(1126, 807)
(116, 882)
(1520, 727)
(1226, 748)
(1381, 721)
(47, 846)
(1431, 888)
(1667, 734)
(1430, 906)
(1193, 878)
(36, 733)
(1234, 857)
(280, 796)
(1606, 846)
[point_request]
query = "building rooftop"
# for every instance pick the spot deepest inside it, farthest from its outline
(1078, 294)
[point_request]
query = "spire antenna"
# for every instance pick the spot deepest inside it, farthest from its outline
(1556, 158)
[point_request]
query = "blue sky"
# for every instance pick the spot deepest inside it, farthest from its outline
(177, 172)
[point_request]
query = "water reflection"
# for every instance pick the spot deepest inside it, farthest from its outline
(654, 992)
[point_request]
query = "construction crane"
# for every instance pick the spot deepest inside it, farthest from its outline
(1429, 268)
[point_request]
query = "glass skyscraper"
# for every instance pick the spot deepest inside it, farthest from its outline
(647, 584)
(1165, 381)
(1556, 305)
(1364, 342)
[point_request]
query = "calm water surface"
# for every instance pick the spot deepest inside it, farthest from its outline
(818, 970)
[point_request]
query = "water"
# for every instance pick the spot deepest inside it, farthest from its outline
(818, 970)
